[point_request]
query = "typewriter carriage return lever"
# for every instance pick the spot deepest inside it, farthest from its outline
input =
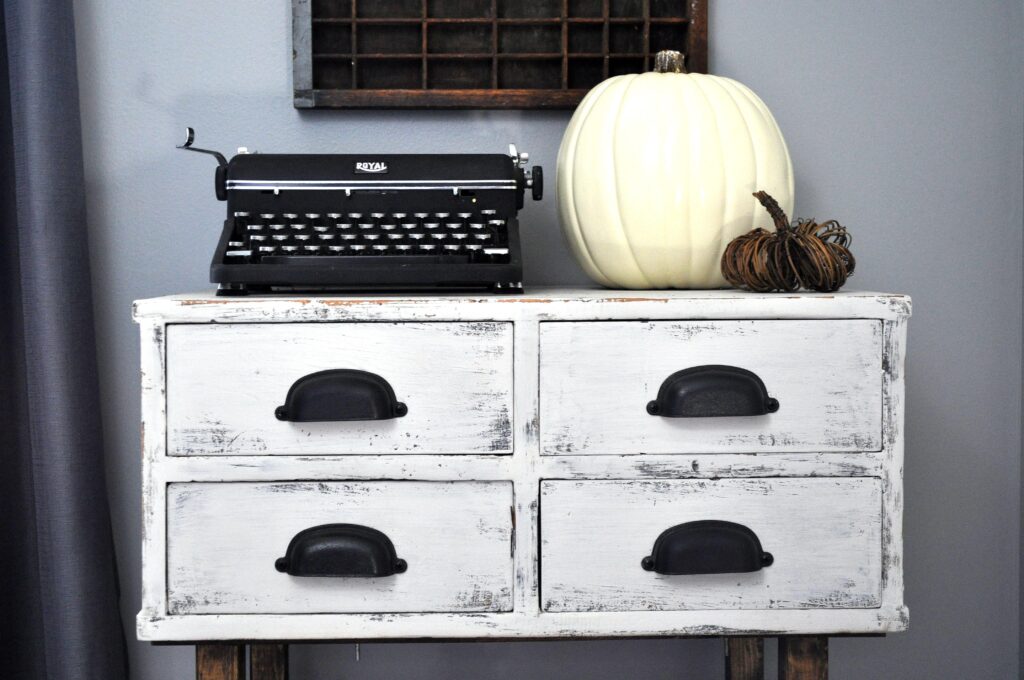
(377, 222)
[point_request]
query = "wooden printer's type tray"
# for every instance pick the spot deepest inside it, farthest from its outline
(481, 53)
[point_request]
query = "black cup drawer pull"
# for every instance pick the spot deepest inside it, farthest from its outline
(712, 391)
(340, 394)
(707, 547)
(340, 550)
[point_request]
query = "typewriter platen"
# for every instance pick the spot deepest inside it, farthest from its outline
(370, 221)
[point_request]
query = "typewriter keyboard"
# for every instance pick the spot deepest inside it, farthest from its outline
(286, 238)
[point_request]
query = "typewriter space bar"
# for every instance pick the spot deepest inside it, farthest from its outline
(356, 260)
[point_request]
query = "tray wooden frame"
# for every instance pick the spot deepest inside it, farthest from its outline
(496, 54)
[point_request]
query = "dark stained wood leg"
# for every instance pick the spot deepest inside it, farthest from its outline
(744, 658)
(220, 662)
(268, 662)
(803, 658)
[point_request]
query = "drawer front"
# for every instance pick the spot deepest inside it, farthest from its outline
(597, 378)
(223, 540)
(824, 535)
(225, 381)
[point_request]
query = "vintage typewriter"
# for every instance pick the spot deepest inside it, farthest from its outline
(370, 221)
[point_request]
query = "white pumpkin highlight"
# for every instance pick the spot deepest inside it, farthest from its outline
(656, 174)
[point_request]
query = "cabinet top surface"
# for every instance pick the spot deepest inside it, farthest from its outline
(542, 303)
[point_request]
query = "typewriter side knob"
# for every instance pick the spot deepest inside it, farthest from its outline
(535, 180)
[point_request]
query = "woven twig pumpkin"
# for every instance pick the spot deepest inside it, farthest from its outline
(804, 254)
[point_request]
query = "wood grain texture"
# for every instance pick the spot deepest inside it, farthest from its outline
(825, 535)
(220, 662)
(595, 385)
(223, 540)
(268, 662)
(803, 658)
(224, 382)
(744, 658)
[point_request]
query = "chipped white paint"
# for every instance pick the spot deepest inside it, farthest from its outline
(825, 536)
(524, 317)
(224, 382)
(595, 385)
(223, 539)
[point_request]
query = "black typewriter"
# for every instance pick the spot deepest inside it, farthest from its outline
(370, 221)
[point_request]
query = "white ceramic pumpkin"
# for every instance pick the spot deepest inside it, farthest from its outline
(656, 174)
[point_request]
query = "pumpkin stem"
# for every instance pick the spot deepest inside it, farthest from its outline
(772, 206)
(669, 61)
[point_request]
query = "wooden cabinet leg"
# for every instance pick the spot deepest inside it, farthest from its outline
(744, 658)
(220, 662)
(268, 662)
(803, 658)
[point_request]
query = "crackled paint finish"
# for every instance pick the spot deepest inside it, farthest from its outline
(499, 495)
(826, 375)
(223, 540)
(225, 381)
(827, 554)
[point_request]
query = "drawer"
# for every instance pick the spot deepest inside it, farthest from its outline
(597, 378)
(224, 540)
(824, 535)
(225, 382)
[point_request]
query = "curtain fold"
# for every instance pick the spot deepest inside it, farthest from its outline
(59, 615)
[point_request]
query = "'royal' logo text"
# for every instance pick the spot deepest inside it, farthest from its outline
(372, 167)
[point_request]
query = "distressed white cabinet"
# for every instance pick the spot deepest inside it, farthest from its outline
(527, 466)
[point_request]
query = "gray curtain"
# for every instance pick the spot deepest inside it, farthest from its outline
(58, 605)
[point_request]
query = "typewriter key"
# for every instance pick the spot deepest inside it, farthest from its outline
(441, 215)
(268, 216)
(377, 216)
(290, 216)
(275, 227)
(465, 216)
(382, 247)
(452, 247)
(489, 211)
(241, 213)
(476, 225)
(431, 225)
(398, 216)
(421, 216)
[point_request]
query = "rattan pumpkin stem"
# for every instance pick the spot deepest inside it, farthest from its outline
(776, 212)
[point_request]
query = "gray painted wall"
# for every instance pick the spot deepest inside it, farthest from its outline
(904, 120)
